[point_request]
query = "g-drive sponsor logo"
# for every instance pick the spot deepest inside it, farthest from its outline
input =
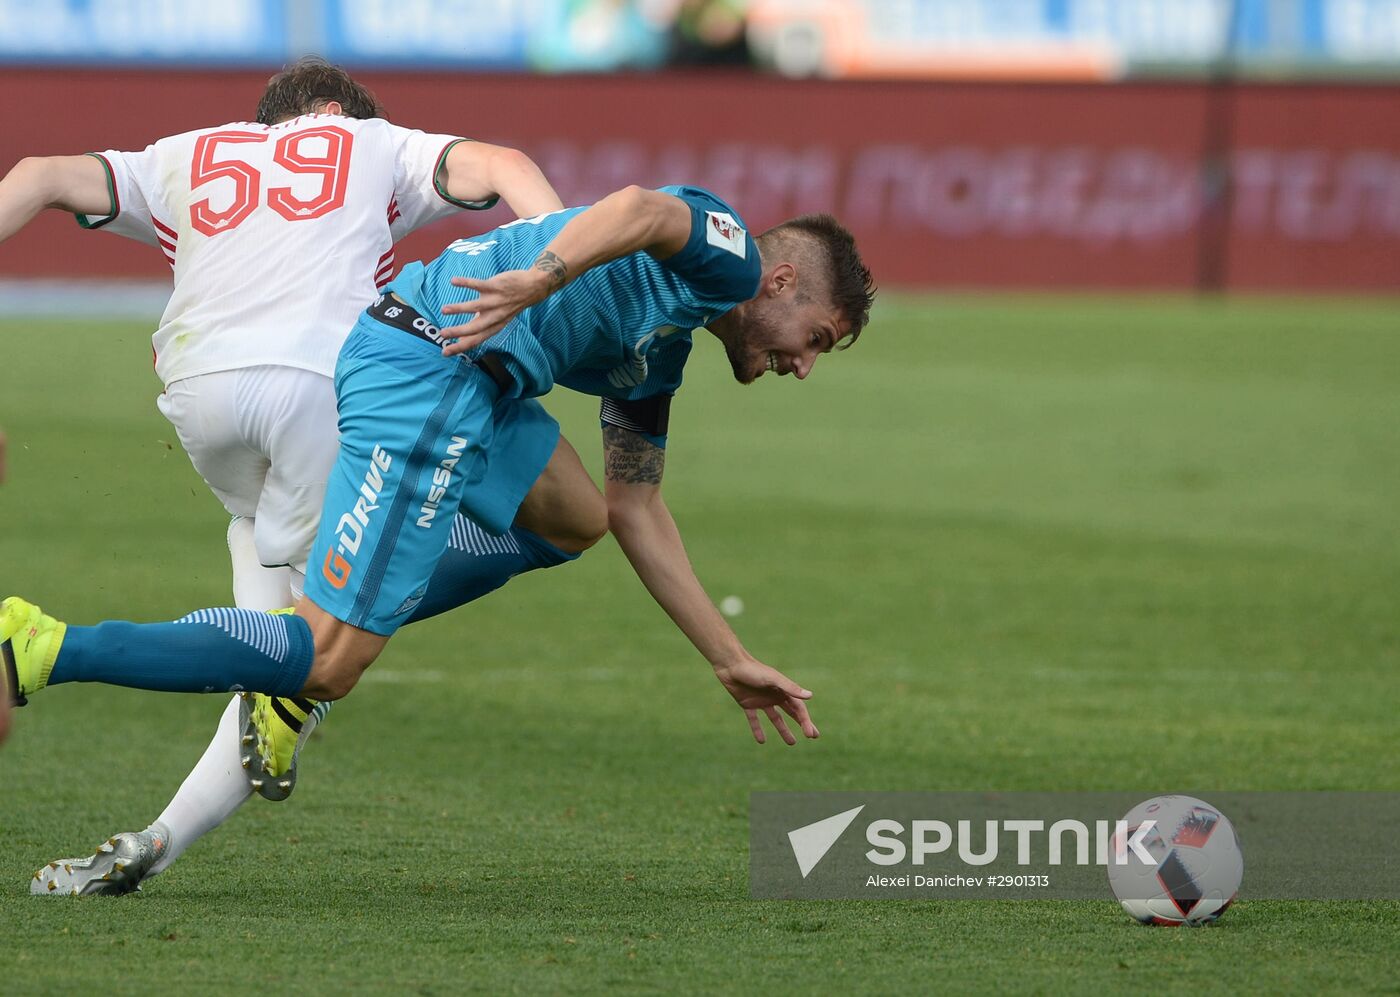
(339, 564)
(350, 530)
(894, 843)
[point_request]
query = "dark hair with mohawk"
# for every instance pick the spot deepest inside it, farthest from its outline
(849, 283)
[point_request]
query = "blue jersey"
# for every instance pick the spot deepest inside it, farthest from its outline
(621, 330)
(423, 436)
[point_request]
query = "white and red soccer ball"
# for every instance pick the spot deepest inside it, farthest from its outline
(1197, 863)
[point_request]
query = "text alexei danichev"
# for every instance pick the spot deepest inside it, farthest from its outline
(956, 882)
(925, 881)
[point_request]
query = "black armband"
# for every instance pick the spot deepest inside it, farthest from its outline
(648, 416)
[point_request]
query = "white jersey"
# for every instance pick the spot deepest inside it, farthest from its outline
(279, 235)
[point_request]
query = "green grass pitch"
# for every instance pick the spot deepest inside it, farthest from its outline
(1016, 544)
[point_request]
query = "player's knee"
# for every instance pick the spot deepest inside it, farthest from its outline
(585, 525)
(593, 522)
(332, 679)
(336, 669)
(343, 652)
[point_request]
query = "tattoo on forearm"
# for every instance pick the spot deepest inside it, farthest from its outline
(630, 458)
(556, 268)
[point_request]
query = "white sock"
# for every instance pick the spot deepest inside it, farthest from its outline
(255, 587)
(217, 785)
(213, 790)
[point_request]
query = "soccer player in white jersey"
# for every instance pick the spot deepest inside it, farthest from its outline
(279, 233)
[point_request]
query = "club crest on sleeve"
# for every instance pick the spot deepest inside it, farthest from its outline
(723, 232)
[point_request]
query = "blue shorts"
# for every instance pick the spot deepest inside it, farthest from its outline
(422, 436)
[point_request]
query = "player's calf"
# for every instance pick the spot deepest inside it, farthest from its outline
(206, 651)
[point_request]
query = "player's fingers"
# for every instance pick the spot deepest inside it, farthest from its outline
(780, 725)
(462, 307)
(456, 346)
(755, 726)
(474, 283)
(797, 709)
(475, 325)
(790, 688)
(482, 332)
(468, 336)
(462, 345)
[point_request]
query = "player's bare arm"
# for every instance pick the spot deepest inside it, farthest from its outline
(478, 171)
(631, 220)
(68, 183)
(644, 528)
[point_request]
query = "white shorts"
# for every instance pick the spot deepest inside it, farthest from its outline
(264, 440)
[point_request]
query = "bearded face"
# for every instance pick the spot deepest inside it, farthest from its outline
(782, 334)
(750, 347)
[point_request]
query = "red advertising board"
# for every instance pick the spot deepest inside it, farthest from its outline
(945, 185)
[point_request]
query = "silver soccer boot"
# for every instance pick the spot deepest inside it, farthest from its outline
(117, 867)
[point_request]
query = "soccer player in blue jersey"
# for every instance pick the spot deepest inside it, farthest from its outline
(600, 299)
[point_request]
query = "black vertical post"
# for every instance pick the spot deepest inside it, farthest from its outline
(1217, 150)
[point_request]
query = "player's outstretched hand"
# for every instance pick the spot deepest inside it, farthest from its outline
(758, 688)
(499, 299)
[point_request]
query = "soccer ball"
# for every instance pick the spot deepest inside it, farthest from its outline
(1197, 863)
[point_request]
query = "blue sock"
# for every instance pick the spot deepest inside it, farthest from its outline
(216, 650)
(213, 650)
(477, 563)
